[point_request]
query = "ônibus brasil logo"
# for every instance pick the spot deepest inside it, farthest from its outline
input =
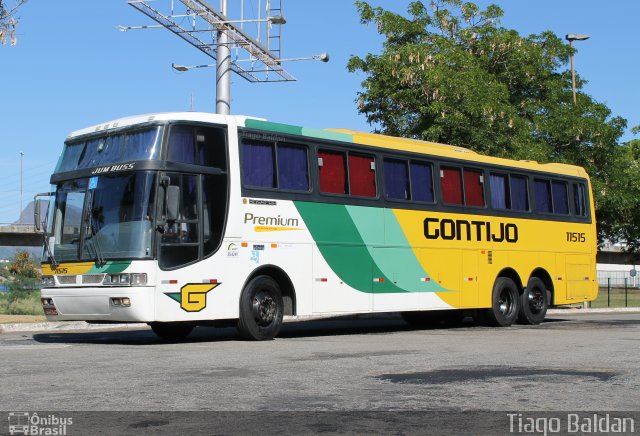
(25, 423)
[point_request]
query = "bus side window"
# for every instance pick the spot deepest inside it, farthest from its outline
(473, 188)
(396, 179)
(212, 147)
(333, 173)
(182, 146)
(500, 198)
(451, 179)
(579, 199)
(362, 175)
(258, 164)
(542, 190)
(560, 198)
(421, 181)
(293, 167)
(519, 193)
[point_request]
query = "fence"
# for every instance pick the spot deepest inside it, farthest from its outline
(618, 279)
(614, 295)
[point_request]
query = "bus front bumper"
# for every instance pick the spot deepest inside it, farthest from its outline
(116, 304)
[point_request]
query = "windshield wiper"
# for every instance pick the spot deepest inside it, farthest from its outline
(95, 243)
(47, 248)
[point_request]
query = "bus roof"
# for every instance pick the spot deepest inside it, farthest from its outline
(336, 134)
(204, 117)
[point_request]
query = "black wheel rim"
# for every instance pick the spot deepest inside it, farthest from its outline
(505, 302)
(536, 300)
(263, 308)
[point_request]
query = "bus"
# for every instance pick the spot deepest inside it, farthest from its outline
(186, 219)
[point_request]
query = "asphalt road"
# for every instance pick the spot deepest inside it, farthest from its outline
(582, 362)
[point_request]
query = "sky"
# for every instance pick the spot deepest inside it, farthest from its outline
(72, 69)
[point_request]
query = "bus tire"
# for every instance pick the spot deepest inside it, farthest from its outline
(261, 309)
(172, 331)
(534, 302)
(505, 303)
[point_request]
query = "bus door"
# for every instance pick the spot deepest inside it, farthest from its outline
(579, 278)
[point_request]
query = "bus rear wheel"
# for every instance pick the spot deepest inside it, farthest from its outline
(505, 303)
(534, 302)
(261, 309)
(172, 331)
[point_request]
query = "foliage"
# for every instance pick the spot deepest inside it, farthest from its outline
(28, 305)
(23, 265)
(8, 20)
(23, 277)
(449, 73)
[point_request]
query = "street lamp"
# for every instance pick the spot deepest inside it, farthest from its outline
(574, 37)
(322, 57)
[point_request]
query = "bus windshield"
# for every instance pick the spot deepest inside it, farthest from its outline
(104, 217)
(118, 147)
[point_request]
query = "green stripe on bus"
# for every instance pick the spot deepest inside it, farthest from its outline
(323, 134)
(390, 250)
(348, 245)
(273, 127)
(109, 268)
(296, 130)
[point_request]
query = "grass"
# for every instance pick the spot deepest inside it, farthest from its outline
(29, 305)
(616, 298)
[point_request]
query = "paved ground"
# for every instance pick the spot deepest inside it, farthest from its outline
(571, 362)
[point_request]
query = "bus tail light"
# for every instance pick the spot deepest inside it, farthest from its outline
(48, 306)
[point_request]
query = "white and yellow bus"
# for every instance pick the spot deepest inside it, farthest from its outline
(181, 219)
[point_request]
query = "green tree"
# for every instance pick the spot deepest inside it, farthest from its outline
(23, 276)
(448, 72)
(8, 20)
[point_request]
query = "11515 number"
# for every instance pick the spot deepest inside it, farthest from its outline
(576, 237)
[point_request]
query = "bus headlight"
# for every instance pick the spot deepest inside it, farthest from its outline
(116, 279)
(138, 279)
(135, 279)
(47, 281)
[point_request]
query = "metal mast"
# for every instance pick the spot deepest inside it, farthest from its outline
(223, 68)
(215, 34)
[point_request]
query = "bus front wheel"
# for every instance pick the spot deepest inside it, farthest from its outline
(505, 303)
(171, 331)
(261, 309)
(534, 302)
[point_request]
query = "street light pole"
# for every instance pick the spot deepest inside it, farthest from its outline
(574, 37)
(21, 155)
(223, 69)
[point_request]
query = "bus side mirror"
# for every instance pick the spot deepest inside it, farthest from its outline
(37, 223)
(36, 216)
(173, 202)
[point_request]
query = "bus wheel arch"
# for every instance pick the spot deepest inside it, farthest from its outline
(283, 281)
(510, 273)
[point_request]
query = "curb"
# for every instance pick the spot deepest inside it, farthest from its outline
(63, 326)
(81, 325)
